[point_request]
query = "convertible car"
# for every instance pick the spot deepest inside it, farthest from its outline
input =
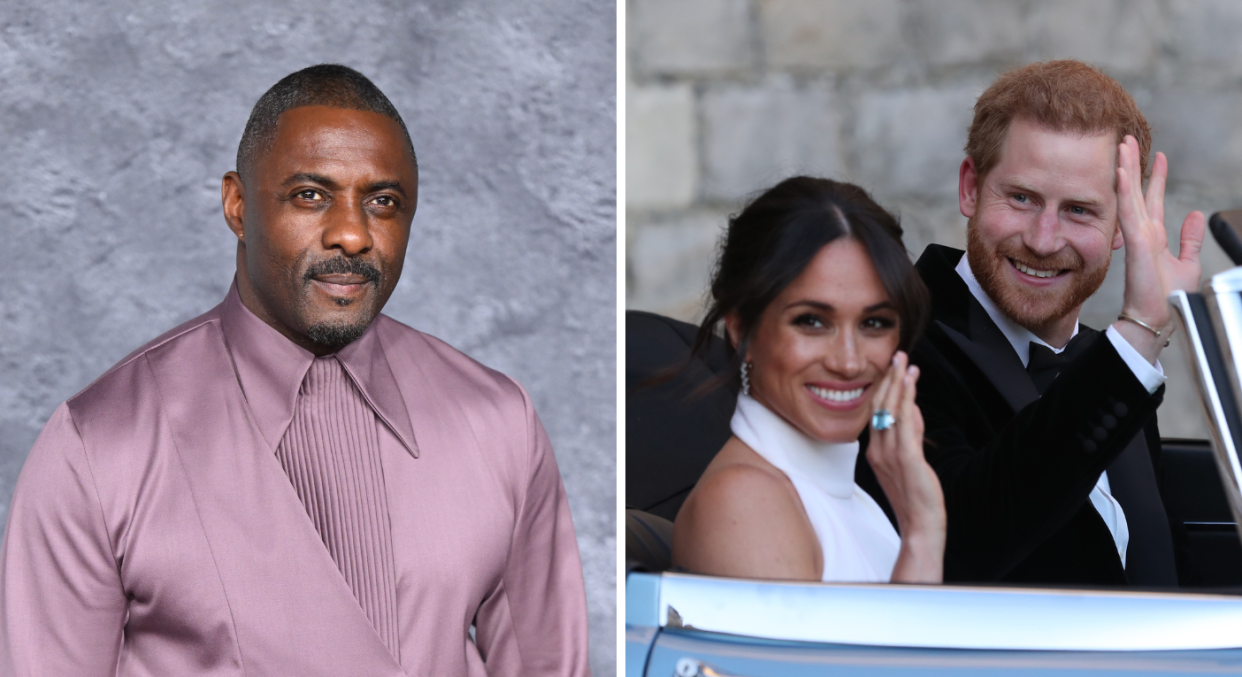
(687, 625)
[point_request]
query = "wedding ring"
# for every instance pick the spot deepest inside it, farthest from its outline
(883, 420)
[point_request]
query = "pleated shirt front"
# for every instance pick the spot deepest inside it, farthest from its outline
(331, 454)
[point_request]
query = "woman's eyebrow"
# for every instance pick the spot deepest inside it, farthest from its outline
(818, 305)
(828, 308)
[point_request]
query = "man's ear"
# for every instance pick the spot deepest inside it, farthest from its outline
(1118, 240)
(968, 188)
(733, 328)
(233, 197)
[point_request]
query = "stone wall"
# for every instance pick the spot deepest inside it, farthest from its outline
(726, 97)
(119, 119)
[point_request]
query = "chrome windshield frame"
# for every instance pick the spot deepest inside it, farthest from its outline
(1223, 302)
(946, 617)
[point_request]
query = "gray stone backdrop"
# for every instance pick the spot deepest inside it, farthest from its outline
(118, 119)
(726, 97)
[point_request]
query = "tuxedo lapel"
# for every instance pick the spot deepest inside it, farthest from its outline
(292, 610)
(988, 349)
(1132, 481)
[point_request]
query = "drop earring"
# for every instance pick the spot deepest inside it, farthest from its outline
(746, 378)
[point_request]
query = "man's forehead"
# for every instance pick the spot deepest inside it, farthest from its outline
(308, 122)
(1032, 150)
(339, 134)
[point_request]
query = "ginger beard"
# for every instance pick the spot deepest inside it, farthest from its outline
(1030, 306)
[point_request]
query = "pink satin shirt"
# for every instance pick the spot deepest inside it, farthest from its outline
(153, 531)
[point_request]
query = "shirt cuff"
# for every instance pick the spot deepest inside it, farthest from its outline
(1151, 377)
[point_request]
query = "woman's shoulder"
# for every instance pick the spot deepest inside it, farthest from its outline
(744, 518)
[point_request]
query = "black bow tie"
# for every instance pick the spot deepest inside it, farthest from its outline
(1044, 365)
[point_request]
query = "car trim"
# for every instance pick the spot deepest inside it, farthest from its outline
(949, 617)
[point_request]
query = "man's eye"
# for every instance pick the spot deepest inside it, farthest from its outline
(309, 194)
(384, 201)
(1019, 197)
(1076, 210)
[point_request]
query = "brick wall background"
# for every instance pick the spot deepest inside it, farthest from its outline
(119, 118)
(726, 97)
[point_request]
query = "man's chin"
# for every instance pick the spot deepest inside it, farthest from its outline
(336, 335)
(1031, 313)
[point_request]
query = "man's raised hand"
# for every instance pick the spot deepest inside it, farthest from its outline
(1152, 271)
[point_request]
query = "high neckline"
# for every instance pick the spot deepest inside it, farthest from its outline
(827, 465)
(271, 368)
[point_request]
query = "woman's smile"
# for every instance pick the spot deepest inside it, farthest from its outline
(838, 397)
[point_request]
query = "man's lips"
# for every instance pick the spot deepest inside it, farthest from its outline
(341, 284)
(838, 396)
(1035, 274)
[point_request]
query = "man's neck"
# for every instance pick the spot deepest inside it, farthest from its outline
(1055, 336)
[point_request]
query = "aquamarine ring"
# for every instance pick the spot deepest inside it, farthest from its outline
(883, 420)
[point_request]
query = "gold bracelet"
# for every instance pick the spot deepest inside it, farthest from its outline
(1144, 325)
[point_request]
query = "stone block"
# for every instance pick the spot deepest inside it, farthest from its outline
(754, 136)
(669, 263)
(909, 141)
(831, 34)
(1207, 36)
(927, 221)
(1198, 130)
(680, 37)
(953, 32)
(661, 163)
(1123, 37)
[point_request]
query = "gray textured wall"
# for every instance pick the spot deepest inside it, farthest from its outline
(118, 119)
(726, 97)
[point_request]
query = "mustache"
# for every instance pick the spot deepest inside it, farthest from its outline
(1066, 259)
(341, 265)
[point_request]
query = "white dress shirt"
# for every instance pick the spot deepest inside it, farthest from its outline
(1020, 338)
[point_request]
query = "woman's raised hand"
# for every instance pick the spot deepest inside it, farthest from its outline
(896, 455)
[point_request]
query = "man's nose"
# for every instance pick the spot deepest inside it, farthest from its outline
(347, 228)
(1043, 237)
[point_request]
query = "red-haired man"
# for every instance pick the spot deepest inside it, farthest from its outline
(1043, 431)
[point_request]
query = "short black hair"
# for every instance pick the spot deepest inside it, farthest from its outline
(327, 84)
(775, 237)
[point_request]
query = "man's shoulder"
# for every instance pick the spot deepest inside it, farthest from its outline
(122, 383)
(412, 353)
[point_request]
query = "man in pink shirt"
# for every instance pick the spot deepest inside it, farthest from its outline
(292, 483)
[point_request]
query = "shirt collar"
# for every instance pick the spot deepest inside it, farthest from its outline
(271, 368)
(1019, 337)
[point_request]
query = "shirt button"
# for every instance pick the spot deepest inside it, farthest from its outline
(1099, 434)
(1108, 422)
(1120, 410)
(1088, 446)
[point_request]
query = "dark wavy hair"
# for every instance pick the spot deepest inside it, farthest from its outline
(773, 239)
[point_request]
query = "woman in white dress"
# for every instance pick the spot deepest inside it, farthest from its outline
(819, 301)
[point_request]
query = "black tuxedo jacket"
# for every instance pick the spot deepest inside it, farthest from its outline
(1017, 468)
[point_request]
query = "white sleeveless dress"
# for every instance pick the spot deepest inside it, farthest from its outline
(858, 542)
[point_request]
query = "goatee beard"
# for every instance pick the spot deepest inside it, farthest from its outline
(335, 336)
(1030, 307)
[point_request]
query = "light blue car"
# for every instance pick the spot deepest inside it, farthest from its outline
(684, 625)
